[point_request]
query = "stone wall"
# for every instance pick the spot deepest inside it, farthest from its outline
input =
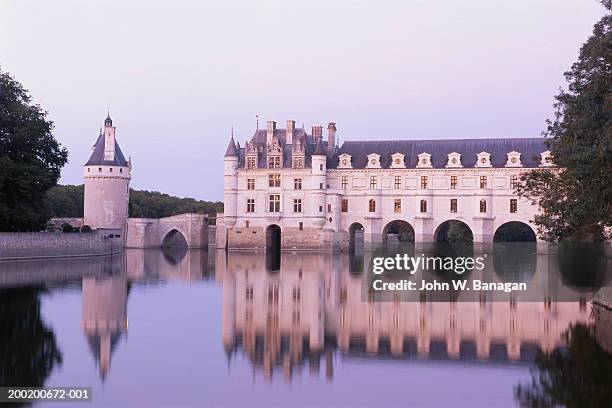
(27, 245)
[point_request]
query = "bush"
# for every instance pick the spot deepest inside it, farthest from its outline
(86, 229)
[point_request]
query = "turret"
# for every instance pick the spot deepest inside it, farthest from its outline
(107, 177)
(319, 179)
(230, 180)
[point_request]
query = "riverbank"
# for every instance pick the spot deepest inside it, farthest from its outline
(42, 245)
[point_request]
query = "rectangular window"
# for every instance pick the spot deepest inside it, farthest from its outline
(298, 162)
(250, 184)
(297, 205)
(274, 180)
(372, 182)
(301, 226)
(320, 208)
(397, 205)
(251, 163)
(329, 208)
(344, 182)
(513, 182)
(453, 181)
(423, 182)
(297, 184)
(247, 223)
(274, 203)
(453, 205)
(274, 162)
(398, 181)
(344, 205)
(483, 181)
(320, 186)
(513, 205)
(321, 167)
(250, 205)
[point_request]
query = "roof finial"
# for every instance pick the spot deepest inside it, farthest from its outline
(257, 122)
(232, 131)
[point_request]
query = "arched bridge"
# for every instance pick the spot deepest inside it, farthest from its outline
(190, 230)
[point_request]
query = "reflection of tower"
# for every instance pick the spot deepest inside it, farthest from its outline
(107, 178)
(104, 316)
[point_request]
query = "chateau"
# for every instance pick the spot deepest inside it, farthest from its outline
(296, 190)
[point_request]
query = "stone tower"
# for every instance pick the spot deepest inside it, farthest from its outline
(230, 177)
(107, 181)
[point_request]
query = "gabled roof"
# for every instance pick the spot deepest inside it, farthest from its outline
(97, 156)
(530, 149)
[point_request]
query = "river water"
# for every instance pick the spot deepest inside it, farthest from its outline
(205, 328)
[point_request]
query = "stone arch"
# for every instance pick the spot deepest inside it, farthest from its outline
(514, 231)
(273, 247)
(453, 231)
(356, 236)
(174, 238)
(402, 230)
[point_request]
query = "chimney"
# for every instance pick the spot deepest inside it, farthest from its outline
(317, 133)
(331, 135)
(290, 130)
(271, 130)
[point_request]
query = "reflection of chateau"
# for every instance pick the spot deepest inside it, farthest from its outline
(314, 304)
(104, 308)
(104, 317)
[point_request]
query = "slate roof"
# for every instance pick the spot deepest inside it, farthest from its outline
(97, 156)
(530, 149)
(231, 149)
(299, 134)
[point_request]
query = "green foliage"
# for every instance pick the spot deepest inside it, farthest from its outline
(576, 197)
(66, 201)
(86, 229)
(30, 159)
(68, 228)
(153, 204)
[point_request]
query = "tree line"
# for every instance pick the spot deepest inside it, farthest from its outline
(67, 201)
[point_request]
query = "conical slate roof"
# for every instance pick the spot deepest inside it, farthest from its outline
(231, 149)
(319, 150)
(97, 156)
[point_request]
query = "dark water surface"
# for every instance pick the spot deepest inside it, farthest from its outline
(193, 328)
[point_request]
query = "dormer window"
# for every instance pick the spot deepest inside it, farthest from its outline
(373, 161)
(397, 161)
(274, 162)
(484, 159)
(546, 159)
(514, 159)
(344, 161)
(424, 160)
(454, 160)
(298, 162)
(251, 162)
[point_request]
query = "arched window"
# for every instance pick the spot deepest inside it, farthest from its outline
(423, 206)
(372, 205)
(483, 206)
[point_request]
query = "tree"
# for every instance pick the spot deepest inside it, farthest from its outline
(576, 195)
(577, 376)
(30, 159)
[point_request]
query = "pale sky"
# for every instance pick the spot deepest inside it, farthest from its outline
(178, 75)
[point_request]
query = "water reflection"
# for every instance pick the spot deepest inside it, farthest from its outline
(304, 315)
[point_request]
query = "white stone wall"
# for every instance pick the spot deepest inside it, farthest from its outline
(321, 207)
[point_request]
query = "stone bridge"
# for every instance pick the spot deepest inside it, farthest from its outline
(190, 229)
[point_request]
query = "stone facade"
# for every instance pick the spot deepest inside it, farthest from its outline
(318, 192)
(24, 245)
